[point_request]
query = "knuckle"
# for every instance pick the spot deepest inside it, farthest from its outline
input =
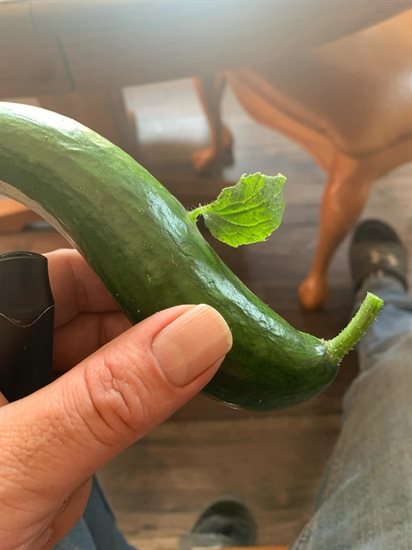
(119, 396)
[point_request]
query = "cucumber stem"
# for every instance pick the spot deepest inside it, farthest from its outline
(196, 212)
(346, 340)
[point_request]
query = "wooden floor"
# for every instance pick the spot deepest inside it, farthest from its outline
(273, 461)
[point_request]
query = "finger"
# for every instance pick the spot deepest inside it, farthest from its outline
(85, 334)
(79, 422)
(75, 286)
(3, 400)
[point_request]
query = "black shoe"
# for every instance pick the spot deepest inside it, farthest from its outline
(377, 248)
(226, 522)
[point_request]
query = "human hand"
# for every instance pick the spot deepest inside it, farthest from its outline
(118, 382)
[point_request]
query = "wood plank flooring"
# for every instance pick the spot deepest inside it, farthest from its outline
(273, 461)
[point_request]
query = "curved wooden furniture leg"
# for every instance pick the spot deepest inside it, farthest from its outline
(209, 90)
(343, 200)
(103, 111)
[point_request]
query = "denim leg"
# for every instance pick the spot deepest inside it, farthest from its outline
(366, 497)
(97, 529)
(394, 321)
(79, 538)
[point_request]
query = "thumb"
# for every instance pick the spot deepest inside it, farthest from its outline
(62, 434)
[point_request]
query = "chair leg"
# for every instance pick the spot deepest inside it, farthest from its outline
(345, 195)
(14, 216)
(102, 111)
(209, 90)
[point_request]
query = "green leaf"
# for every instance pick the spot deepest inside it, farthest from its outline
(247, 212)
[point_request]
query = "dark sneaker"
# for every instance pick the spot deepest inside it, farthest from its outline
(226, 522)
(377, 248)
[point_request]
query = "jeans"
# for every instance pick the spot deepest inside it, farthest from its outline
(365, 498)
(97, 529)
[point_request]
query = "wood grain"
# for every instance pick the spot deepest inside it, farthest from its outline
(270, 463)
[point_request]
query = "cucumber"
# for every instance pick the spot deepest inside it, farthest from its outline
(141, 242)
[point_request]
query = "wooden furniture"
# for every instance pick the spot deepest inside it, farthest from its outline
(67, 45)
(348, 103)
(14, 216)
(76, 57)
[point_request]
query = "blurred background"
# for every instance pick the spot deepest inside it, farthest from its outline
(199, 93)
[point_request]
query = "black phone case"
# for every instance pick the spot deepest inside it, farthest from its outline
(26, 324)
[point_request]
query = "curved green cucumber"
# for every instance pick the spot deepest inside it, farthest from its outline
(140, 241)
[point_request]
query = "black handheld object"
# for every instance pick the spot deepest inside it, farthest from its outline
(26, 324)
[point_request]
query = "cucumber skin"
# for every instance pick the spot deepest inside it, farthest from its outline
(140, 241)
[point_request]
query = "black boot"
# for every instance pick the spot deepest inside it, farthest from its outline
(226, 522)
(376, 249)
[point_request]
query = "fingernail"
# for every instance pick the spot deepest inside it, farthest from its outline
(191, 344)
